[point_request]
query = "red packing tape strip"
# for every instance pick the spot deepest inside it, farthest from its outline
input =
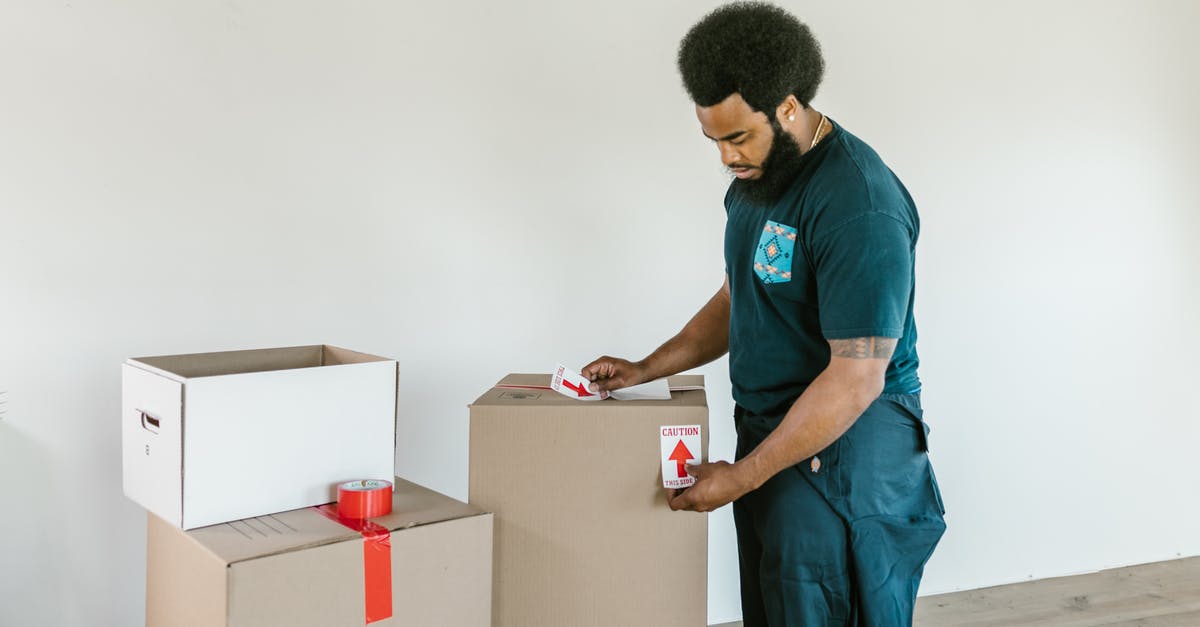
(377, 559)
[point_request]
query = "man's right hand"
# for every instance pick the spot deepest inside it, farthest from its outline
(612, 373)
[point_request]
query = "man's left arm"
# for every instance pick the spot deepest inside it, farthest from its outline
(864, 280)
(828, 407)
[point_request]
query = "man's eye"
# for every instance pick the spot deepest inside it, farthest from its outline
(739, 141)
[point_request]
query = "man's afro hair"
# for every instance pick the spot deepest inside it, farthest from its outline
(752, 48)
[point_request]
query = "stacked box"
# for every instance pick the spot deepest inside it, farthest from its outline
(301, 569)
(584, 536)
(213, 437)
(231, 451)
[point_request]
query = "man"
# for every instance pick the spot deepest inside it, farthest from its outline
(836, 506)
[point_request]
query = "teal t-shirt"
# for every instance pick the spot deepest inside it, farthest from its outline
(833, 259)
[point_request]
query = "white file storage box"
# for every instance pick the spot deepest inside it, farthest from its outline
(212, 437)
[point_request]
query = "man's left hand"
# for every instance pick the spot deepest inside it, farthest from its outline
(717, 484)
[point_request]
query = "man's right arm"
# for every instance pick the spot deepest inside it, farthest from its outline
(704, 338)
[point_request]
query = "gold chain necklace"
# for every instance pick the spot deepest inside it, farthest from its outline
(817, 134)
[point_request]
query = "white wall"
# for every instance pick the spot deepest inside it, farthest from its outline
(484, 188)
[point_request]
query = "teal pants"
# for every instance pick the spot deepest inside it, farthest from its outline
(842, 540)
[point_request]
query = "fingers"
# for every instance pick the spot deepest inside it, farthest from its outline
(679, 500)
(606, 385)
(686, 500)
(601, 368)
(606, 374)
(706, 494)
(699, 470)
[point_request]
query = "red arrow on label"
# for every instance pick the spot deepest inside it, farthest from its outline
(681, 454)
(579, 389)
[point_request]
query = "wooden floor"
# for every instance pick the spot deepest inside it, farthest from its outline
(1161, 594)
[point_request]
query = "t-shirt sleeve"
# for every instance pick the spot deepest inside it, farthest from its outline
(864, 277)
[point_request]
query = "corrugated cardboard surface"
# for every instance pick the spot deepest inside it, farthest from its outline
(300, 569)
(583, 533)
(185, 584)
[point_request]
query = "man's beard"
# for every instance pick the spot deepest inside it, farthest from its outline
(779, 170)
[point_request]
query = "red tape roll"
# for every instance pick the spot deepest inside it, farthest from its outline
(364, 499)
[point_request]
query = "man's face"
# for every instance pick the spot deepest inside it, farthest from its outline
(743, 136)
(764, 157)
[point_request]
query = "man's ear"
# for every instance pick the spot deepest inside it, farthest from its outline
(788, 110)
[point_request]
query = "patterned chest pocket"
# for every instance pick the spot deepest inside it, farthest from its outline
(773, 256)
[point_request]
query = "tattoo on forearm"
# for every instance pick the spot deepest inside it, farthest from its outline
(863, 347)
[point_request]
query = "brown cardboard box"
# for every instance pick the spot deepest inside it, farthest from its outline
(301, 569)
(583, 533)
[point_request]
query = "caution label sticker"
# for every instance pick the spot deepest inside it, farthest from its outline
(680, 447)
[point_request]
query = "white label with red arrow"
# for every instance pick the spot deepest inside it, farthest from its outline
(680, 448)
(570, 383)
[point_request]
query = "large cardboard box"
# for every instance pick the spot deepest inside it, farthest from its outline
(584, 536)
(213, 437)
(302, 569)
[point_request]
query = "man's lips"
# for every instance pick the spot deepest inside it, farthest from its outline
(742, 172)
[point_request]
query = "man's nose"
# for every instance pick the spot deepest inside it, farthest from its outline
(729, 154)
